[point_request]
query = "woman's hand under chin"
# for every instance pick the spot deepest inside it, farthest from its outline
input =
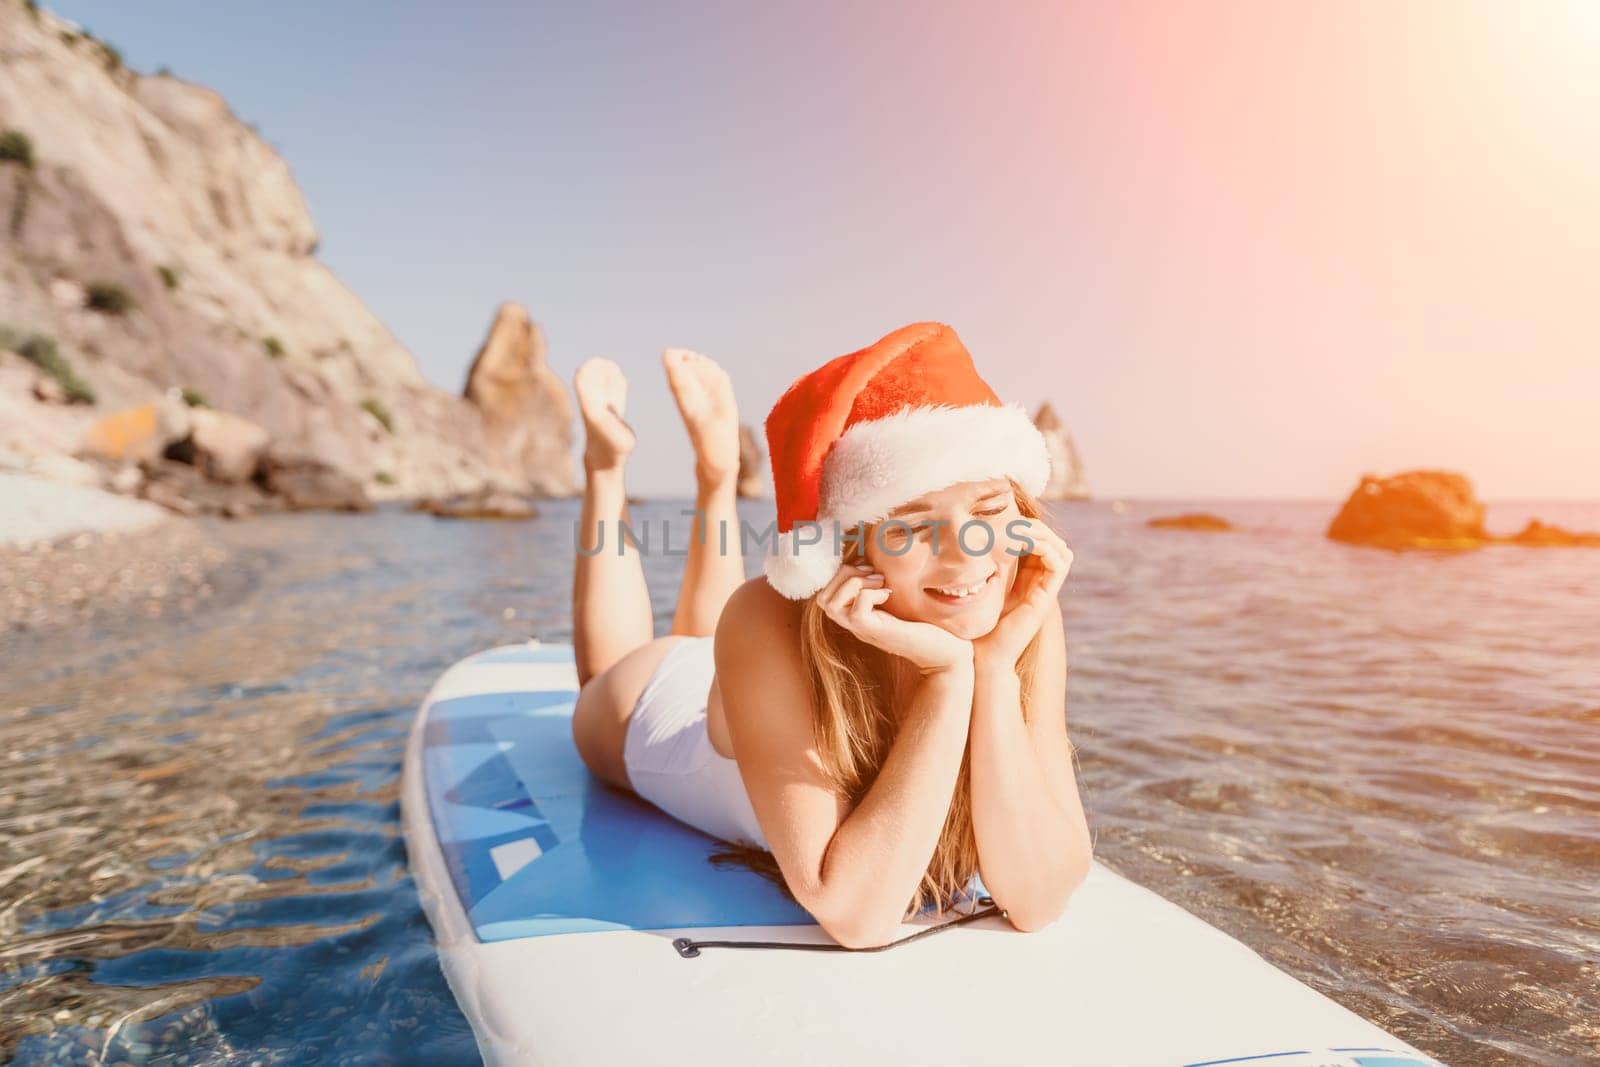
(1039, 576)
(852, 598)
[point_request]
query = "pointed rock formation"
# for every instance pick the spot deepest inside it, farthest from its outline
(1067, 481)
(527, 415)
(752, 471)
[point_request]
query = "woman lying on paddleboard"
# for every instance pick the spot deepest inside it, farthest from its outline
(883, 710)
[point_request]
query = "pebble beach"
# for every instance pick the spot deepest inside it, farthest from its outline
(72, 555)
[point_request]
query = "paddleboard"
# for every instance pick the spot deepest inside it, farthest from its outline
(580, 925)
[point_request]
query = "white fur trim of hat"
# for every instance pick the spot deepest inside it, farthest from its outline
(880, 464)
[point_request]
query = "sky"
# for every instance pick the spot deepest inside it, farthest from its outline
(1245, 249)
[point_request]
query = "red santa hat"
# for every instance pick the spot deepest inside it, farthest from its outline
(869, 431)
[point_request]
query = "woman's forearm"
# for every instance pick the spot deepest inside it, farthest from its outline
(1033, 853)
(881, 850)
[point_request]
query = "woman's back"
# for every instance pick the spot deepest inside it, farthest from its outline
(763, 615)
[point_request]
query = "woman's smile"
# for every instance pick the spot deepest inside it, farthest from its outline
(964, 595)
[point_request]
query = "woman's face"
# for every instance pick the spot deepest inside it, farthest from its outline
(944, 544)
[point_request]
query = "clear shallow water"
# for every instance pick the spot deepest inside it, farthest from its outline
(1380, 771)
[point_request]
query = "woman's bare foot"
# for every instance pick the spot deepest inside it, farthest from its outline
(602, 398)
(704, 394)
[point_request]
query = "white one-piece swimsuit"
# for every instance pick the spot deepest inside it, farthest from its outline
(668, 753)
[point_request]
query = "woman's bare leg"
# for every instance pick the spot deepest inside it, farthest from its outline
(610, 602)
(704, 395)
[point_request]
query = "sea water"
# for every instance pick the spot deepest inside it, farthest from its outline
(1379, 770)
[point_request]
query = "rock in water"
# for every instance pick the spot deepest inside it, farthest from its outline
(1067, 481)
(1194, 520)
(1541, 535)
(751, 482)
(486, 504)
(1415, 509)
(526, 413)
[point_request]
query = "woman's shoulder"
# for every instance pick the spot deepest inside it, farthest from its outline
(757, 609)
(759, 630)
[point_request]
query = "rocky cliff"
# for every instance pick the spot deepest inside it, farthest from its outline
(155, 242)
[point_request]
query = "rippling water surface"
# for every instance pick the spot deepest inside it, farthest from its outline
(1380, 771)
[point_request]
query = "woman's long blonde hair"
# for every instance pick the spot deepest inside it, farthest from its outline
(852, 683)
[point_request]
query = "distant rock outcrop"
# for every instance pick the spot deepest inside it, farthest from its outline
(1067, 481)
(1415, 509)
(1194, 520)
(152, 241)
(1434, 509)
(1539, 535)
(484, 504)
(526, 413)
(752, 469)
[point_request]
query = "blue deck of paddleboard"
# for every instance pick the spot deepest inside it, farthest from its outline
(536, 844)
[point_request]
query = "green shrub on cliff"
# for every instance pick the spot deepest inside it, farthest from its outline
(108, 298)
(169, 276)
(16, 147)
(374, 407)
(273, 346)
(41, 352)
(194, 397)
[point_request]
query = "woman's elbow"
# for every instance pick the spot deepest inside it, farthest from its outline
(857, 940)
(851, 929)
(1032, 920)
(844, 916)
(855, 934)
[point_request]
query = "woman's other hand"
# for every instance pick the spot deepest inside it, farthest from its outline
(853, 599)
(1040, 574)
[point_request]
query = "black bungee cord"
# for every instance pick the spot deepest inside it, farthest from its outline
(688, 947)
